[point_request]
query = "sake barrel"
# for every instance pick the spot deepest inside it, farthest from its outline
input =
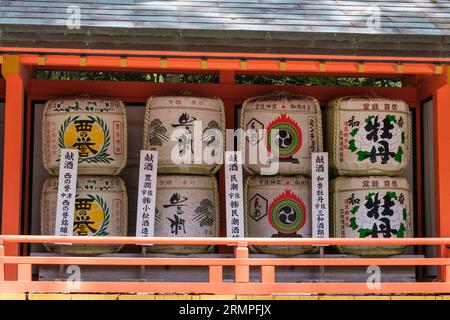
(97, 127)
(186, 206)
(278, 207)
(371, 207)
(282, 130)
(188, 133)
(101, 209)
(368, 136)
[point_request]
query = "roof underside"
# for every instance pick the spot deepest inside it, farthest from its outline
(407, 28)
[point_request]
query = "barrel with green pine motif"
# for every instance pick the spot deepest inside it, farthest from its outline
(96, 127)
(101, 210)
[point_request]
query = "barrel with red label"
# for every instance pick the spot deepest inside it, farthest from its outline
(278, 207)
(280, 131)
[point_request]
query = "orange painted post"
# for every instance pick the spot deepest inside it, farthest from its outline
(242, 272)
(444, 270)
(2, 265)
(16, 78)
(418, 181)
(441, 101)
(267, 274)
(24, 272)
(215, 274)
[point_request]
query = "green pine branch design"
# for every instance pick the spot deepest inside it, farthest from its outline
(103, 231)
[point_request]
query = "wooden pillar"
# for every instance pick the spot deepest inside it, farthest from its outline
(16, 79)
(438, 88)
(441, 103)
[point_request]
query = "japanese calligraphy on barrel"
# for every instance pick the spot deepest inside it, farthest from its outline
(101, 209)
(97, 127)
(371, 207)
(186, 206)
(281, 128)
(368, 136)
(278, 207)
(188, 133)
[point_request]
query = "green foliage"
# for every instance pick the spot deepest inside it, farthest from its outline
(127, 76)
(317, 81)
(214, 78)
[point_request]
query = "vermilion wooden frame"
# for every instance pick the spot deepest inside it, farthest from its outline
(241, 263)
(427, 78)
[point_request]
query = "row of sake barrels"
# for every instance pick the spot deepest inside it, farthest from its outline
(97, 127)
(366, 136)
(186, 206)
(372, 207)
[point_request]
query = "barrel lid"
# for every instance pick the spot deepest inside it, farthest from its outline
(369, 183)
(283, 101)
(180, 101)
(364, 102)
(186, 181)
(91, 183)
(84, 104)
(271, 182)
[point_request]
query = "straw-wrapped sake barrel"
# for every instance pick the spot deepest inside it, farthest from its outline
(368, 136)
(282, 130)
(97, 127)
(186, 206)
(188, 133)
(101, 209)
(278, 207)
(371, 207)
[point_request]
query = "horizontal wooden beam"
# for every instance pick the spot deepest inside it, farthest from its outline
(225, 287)
(232, 63)
(208, 261)
(237, 55)
(238, 242)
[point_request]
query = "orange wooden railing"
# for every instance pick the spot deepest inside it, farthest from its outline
(216, 285)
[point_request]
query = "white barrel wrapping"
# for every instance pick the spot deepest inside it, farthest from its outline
(368, 136)
(172, 126)
(96, 127)
(292, 122)
(278, 207)
(101, 209)
(371, 207)
(186, 206)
